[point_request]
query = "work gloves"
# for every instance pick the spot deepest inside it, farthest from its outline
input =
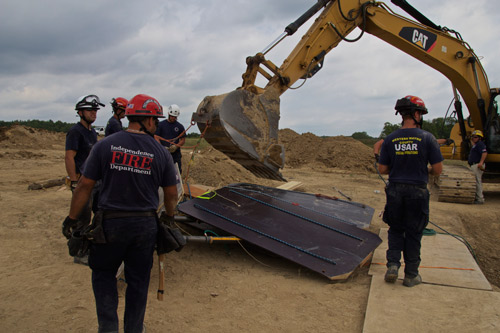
(172, 148)
(68, 226)
(167, 220)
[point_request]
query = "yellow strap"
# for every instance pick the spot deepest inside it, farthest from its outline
(206, 195)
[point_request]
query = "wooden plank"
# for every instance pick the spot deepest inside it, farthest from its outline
(445, 261)
(430, 308)
(290, 186)
(47, 183)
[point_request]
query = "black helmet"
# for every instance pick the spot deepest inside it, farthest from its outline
(409, 104)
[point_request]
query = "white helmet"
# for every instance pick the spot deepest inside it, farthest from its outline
(174, 110)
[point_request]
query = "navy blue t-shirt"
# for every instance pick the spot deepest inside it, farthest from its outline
(132, 166)
(407, 152)
(476, 152)
(114, 125)
(168, 130)
(81, 140)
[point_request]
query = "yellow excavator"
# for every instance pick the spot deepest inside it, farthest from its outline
(243, 123)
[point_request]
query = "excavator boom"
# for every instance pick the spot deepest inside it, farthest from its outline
(243, 124)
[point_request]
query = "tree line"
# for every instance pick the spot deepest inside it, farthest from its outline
(439, 127)
(49, 125)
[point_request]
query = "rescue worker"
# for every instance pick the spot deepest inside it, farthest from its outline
(173, 131)
(132, 166)
(114, 123)
(477, 156)
(79, 141)
(405, 156)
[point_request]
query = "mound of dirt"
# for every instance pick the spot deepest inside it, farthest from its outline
(331, 152)
(210, 167)
(19, 136)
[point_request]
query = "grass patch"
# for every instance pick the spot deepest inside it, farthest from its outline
(191, 142)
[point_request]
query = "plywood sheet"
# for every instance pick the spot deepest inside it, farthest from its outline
(430, 308)
(445, 261)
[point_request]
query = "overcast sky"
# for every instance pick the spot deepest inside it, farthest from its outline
(54, 51)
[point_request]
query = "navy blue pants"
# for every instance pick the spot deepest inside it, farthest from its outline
(131, 240)
(407, 214)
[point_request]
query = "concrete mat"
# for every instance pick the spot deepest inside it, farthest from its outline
(430, 308)
(445, 261)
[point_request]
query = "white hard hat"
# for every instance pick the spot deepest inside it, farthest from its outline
(174, 110)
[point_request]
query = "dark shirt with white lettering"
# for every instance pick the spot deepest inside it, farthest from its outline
(407, 152)
(132, 166)
(81, 140)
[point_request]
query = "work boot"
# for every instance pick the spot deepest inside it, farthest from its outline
(392, 274)
(412, 281)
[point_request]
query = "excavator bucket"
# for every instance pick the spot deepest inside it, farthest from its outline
(244, 126)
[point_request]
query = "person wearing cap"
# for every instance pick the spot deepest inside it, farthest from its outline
(173, 134)
(408, 156)
(114, 123)
(477, 156)
(79, 141)
(132, 165)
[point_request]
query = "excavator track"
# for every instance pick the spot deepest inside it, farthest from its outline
(457, 184)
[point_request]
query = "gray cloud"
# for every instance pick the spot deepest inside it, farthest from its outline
(55, 51)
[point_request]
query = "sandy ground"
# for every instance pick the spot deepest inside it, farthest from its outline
(210, 288)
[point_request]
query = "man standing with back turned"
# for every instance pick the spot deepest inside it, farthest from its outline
(405, 156)
(132, 165)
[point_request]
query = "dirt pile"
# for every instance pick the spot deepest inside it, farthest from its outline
(18, 136)
(212, 168)
(331, 152)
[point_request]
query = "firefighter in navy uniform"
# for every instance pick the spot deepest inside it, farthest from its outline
(477, 156)
(406, 155)
(174, 132)
(114, 123)
(132, 166)
(79, 141)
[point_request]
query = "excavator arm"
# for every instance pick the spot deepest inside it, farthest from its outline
(243, 124)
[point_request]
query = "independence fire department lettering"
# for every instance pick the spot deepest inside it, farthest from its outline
(406, 146)
(123, 159)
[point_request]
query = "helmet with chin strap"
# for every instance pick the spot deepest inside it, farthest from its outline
(174, 110)
(88, 102)
(118, 104)
(409, 104)
(144, 105)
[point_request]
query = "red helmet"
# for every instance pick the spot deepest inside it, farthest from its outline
(144, 105)
(410, 104)
(119, 103)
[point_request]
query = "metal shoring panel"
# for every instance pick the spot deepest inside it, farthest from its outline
(289, 235)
